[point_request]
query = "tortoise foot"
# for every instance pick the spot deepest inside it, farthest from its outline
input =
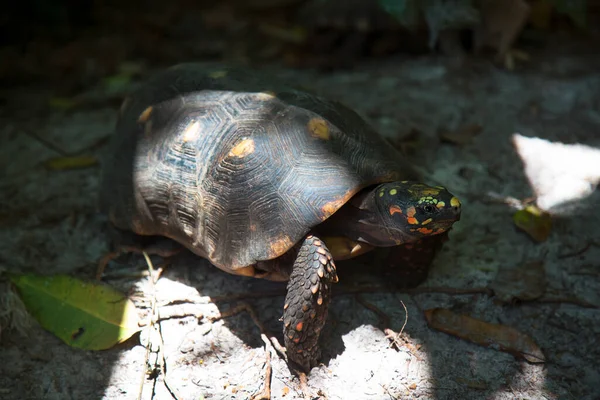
(307, 301)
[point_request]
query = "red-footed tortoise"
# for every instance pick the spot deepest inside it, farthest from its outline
(267, 182)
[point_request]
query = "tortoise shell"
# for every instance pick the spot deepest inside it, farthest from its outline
(236, 167)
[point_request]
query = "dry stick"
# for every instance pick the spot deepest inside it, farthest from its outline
(243, 306)
(153, 278)
(265, 393)
(578, 252)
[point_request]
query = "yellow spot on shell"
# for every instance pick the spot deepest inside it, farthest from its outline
(218, 74)
(393, 192)
(426, 221)
(440, 204)
(191, 132)
(280, 246)
(145, 115)
(243, 148)
(318, 128)
(454, 202)
(334, 205)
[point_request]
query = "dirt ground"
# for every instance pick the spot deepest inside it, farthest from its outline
(49, 224)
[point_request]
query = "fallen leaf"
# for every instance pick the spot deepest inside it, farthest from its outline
(462, 135)
(534, 221)
(75, 162)
(522, 282)
(84, 315)
(501, 337)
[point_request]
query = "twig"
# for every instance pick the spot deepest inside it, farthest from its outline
(243, 306)
(568, 300)
(153, 278)
(265, 393)
(384, 319)
(578, 252)
(47, 143)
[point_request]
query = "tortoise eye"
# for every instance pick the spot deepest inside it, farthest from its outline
(429, 209)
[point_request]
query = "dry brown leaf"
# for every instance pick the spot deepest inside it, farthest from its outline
(534, 221)
(501, 337)
(462, 135)
(521, 282)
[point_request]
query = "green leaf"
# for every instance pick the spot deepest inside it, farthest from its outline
(84, 315)
(534, 221)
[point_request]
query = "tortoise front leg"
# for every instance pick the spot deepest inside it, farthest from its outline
(307, 301)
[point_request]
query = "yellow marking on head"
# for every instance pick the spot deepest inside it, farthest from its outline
(440, 187)
(381, 193)
(266, 95)
(441, 204)
(191, 132)
(393, 192)
(318, 128)
(434, 201)
(412, 221)
(454, 202)
(218, 74)
(395, 209)
(145, 115)
(430, 191)
(411, 211)
(426, 221)
(425, 231)
(243, 148)
(404, 182)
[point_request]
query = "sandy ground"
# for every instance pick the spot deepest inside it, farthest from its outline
(49, 225)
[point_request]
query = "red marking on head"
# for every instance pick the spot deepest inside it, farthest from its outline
(412, 220)
(395, 209)
(425, 231)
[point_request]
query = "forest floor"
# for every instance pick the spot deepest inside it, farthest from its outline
(49, 224)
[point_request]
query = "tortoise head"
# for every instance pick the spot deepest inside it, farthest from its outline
(403, 212)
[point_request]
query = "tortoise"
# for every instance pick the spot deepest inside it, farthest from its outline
(266, 181)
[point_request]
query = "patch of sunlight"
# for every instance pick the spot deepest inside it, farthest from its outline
(558, 173)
